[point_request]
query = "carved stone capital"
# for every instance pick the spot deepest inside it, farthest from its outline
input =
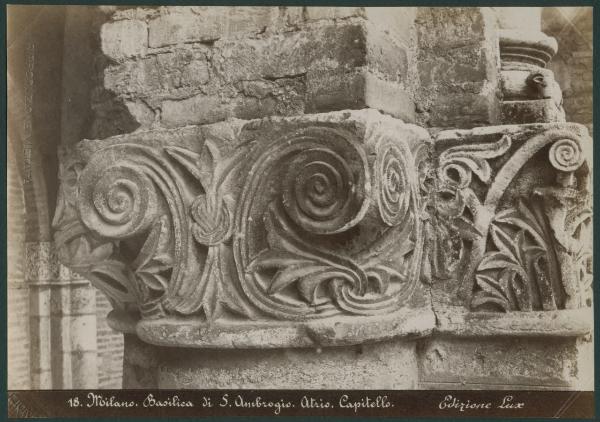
(325, 229)
(242, 222)
(512, 219)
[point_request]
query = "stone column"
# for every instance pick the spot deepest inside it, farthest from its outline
(529, 91)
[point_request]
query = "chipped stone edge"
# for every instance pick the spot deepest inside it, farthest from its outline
(459, 322)
(471, 135)
(409, 324)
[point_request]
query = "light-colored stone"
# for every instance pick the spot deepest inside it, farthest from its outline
(458, 322)
(325, 12)
(527, 18)
(523, 363)
(179, 66)
(458, 67)
(123, 39)
(406, 324)
(385, 365)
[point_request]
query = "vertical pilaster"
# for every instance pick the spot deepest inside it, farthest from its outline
(62, 323)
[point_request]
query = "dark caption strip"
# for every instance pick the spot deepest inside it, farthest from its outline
(206, 403)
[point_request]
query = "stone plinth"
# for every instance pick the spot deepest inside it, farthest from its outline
(388, 365)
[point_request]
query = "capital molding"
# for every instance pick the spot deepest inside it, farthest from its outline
(326, 229)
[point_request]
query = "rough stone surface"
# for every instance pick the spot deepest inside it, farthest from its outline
(457, 66)
(456, 321)
(205, 64)
(122, 39)
(505, 363)
(532, 111)
(408, 324)
(387, 365)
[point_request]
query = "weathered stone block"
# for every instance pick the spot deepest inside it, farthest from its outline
(532, 111)
(169, 73)
(271, 74)
(464, 109)
(505, 363)
(458, 67)
(331, 90)
(386, 365)
(185, 26)
(447, 28)
(317, 13)
(176, 25)
(123, 39)
(282, 55)
(399, 22)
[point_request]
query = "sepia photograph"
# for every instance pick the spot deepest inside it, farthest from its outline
(299, 211)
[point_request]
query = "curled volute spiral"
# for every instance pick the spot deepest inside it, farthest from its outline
(116, 199)
(566, 155)
(322, 193)
(394, 190)
(316, 204)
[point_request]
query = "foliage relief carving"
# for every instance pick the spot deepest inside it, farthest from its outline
(532, 255)
(231, 229)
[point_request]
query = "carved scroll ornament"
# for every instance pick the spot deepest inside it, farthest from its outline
(339, 214)
(289, 219)
(523, 223)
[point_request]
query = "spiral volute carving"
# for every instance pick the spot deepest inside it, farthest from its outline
(394, 191)
(116, 201)
(321, 193)
(566, 155)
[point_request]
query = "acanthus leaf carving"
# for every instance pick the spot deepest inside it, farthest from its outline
(211, 226)
(301, 253)
(298, 263)
(520, 262)
(520, 257)
(451, 196)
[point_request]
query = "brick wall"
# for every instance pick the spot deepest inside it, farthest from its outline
(110, 347)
